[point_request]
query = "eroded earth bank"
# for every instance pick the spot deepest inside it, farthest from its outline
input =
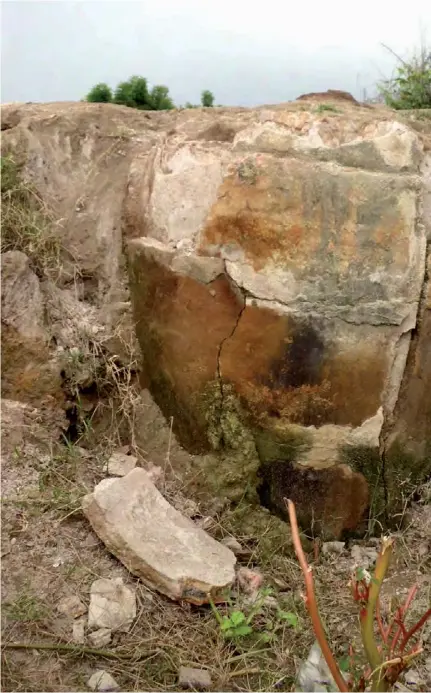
(237, 298)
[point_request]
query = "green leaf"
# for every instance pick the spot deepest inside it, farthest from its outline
(243, 630)
(266, 591)
(344, 663)
(236, 618)
(226, 623)
(266, 637)
(289, 616)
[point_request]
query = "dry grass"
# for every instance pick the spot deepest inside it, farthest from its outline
(27, 223)
(165, 635)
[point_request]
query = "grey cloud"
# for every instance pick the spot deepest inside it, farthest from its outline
(55, 51)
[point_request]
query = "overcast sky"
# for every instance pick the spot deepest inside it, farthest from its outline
(245, 52)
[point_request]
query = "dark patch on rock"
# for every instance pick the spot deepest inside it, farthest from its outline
(218, 132)
(10, 119)
(301, 360)
(329, 502)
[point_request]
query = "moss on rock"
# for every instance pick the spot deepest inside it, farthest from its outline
(367, 461)
(404, 472)
(270, 536)
(282, 442)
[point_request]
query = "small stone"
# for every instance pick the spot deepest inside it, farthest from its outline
(205, 523)
(101, 637)
(102, 680)
(156, 474)
(414, 679)
(78, 631)
(120, 464)
(281, 584)
(333, 547)
(82, 451)
(190, 508)
(232, 544)
(314, 674)
(249, 580)
(271, 603)
(112, 605)
(364, 556)
(424, 549)
(125, 449)
(71, 606)
(188, 677)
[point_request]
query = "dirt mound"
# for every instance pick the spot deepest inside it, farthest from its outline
(329, 95)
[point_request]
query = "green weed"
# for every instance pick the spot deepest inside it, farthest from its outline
(242, 623)
(26, 607)
(324, 107)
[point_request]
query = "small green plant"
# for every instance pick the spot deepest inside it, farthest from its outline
(26, 607)
(411, 86)
(236, 625)
(239, 624)
(323, 107)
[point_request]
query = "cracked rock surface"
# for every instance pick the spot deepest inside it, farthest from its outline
(277, 262)
(306, 331)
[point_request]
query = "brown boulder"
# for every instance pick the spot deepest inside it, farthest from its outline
(304, 337)
(277, 270)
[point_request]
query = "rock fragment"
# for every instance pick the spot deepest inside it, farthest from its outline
(71, 607)
(78, 631)
(100, 637)
(199, 679)
(233, 544)
(102, 680)
(414, 680)
(120, 464)
(112, 605)
(364, 556)
(156, 542)
(333, 547)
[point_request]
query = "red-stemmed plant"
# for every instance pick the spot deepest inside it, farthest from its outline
(387, 660)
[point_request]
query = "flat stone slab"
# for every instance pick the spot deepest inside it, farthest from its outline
(155, 542)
